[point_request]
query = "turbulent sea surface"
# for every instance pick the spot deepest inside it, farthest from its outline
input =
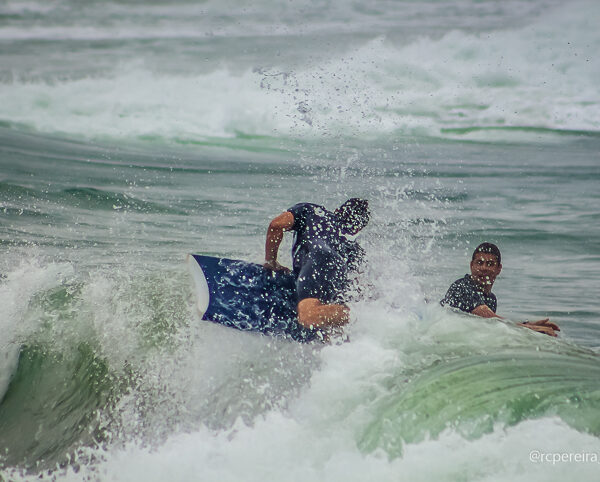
(135, 132)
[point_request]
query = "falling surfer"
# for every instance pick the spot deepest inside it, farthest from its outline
(324, 253)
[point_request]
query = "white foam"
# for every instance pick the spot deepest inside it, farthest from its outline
(281, 448)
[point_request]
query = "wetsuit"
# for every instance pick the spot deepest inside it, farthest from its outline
(466, 295)
(322, 254)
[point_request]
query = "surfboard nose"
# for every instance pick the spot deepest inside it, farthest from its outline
(202, 292)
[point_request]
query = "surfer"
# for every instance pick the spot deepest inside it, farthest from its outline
(323, 254)
(473, 292)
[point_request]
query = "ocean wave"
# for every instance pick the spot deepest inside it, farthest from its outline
(525, 83)
(117, 362)
(93, 198)
(476, 394)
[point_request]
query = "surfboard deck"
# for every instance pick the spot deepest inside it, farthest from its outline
(247, 297)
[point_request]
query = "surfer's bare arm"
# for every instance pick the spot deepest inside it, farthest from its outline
(541, 326)
(283, 222)
(485, 312)
(544, 322)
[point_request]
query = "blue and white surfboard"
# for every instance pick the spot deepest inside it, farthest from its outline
(246, 296)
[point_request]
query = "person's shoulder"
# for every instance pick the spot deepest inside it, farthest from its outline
(312, 206)
(298, 206)
(461, 295)
(304, 213)
(297, 209)
(307, 208)
(460, 287)
(462, 281)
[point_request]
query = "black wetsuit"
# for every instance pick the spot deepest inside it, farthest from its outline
(466, 295)
(322, 254)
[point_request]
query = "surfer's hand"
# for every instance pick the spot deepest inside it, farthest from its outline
(275, 266)
(542, 326)
(545, 322)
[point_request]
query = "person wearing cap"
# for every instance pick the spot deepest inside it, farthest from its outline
(473, 292)
(323, 254)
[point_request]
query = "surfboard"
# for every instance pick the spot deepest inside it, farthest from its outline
(247, 297)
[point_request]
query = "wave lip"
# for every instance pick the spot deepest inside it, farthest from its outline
(474, 395)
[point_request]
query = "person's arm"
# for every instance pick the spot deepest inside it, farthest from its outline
(541, 326)
(484, 311)
(283, 222)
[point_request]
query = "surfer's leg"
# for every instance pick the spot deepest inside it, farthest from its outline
(312, 313)
(319, 287)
